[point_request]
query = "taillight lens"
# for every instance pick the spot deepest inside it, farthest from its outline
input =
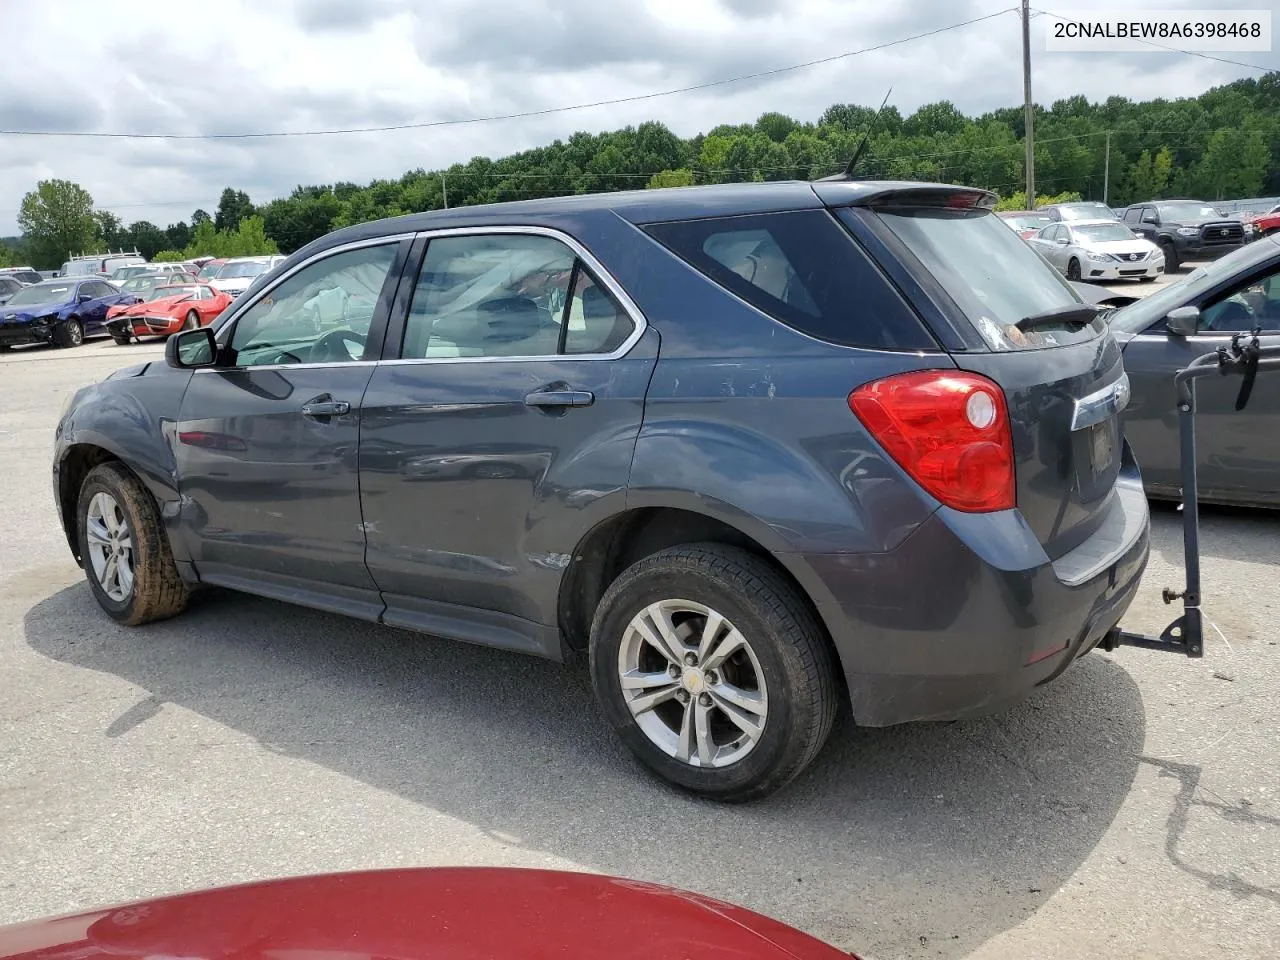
(949, 430)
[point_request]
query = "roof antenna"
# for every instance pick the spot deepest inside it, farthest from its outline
(857, 154)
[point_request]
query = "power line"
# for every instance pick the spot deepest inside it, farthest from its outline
(509, 116)
(1152, 43)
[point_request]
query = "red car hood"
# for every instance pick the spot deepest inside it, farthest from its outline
(151, 307)
(421, 914)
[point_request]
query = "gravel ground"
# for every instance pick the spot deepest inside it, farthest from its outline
(1130, 810)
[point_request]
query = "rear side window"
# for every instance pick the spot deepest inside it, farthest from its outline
(994, 277)
(804, 270)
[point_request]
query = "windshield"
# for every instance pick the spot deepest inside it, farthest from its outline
(139, 284)
(210, 269)
(1086, 211)
(42, 293)
(184, 290)
(233, 271)
(1103, 232)
(1188, 210)
(1030, 222)
(124, 273)
(1137, 316)
(993, 276)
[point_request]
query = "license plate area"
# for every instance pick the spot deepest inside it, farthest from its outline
(1096, 452)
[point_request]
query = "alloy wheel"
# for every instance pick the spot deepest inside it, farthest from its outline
(110, 547)
(693, 683)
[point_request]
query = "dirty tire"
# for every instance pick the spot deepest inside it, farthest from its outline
(158, 591)
(69, 333)
(792, 648)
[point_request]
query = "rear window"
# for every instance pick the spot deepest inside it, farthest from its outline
(804, 270)
(992, 275)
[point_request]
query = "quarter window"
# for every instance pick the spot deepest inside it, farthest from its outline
(321, 314)
(802, 269)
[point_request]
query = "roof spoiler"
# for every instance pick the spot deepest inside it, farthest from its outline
(902, 194)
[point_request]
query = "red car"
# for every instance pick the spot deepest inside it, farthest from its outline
(167, 310)
(421, 914)
(1267, 223)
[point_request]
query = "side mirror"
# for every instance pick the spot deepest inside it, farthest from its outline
(191, 349)
(1183, 321)
(1063, 241)
(83, 298)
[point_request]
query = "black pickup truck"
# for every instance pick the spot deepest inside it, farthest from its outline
(1185, 230)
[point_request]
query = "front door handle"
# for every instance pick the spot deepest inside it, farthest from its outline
(321, 407)
(560, 398)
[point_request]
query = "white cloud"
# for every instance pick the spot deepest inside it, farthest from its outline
(242, 66)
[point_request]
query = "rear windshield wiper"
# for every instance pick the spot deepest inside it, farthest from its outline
(1072, 315)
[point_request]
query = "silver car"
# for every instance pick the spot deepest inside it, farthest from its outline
(1098, 250)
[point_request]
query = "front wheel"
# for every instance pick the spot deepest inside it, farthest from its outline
(70, 333)
(1171, 263)
(1073, 269)
(714, 672)
(126, 553)
(192, 321)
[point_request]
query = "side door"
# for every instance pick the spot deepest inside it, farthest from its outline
(208, 304)
(499, 431)
(93, 312)
(1148, 223)
(1237, 452)
(266, 443)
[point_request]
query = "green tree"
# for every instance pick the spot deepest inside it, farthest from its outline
(111, 231)
(233, 206)
(7, 256)
(177, 236)
(671, 178)
(168, 256)
(147, 238)
(57, 221)
(198, 218)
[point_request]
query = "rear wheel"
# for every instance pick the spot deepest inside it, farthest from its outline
(126, 553)
(192, 321)
(121, 338)
(713, 671)
(1171, 263)
(70, 333)
(1073, 269)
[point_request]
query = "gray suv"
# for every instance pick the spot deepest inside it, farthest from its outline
(759, 452)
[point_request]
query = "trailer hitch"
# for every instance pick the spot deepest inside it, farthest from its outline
(1246, 357)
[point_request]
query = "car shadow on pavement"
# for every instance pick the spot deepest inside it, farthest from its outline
(1226, 532)
(923, 840)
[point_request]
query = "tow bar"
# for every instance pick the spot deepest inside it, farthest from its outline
(1246, 357)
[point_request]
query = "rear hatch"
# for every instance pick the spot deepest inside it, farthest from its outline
(1061, 372)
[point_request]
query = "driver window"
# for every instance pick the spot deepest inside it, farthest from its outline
(1252, 306)
(321, 314)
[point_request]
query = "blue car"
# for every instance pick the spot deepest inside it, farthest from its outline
(62, 312)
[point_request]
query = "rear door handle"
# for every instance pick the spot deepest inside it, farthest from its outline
(326, 408)
(560, 398)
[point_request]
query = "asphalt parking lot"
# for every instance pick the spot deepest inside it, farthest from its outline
(1130, 810)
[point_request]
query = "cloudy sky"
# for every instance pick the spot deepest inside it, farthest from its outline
(233, 66)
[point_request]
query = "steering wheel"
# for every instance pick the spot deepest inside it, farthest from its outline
(331, 348)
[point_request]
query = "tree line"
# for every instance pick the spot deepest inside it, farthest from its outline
(1220, 145)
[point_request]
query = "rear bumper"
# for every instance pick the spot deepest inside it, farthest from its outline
(968, 616)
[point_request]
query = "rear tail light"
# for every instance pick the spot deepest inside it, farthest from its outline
(949, 430)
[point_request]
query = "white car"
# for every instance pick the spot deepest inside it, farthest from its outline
(1098, 250)
(234, 277)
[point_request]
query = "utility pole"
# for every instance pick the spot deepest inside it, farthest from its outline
(1106, 169)
(444, 188)
(1027, 107)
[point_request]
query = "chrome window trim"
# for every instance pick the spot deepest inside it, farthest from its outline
(240, 306)
(638, 321)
